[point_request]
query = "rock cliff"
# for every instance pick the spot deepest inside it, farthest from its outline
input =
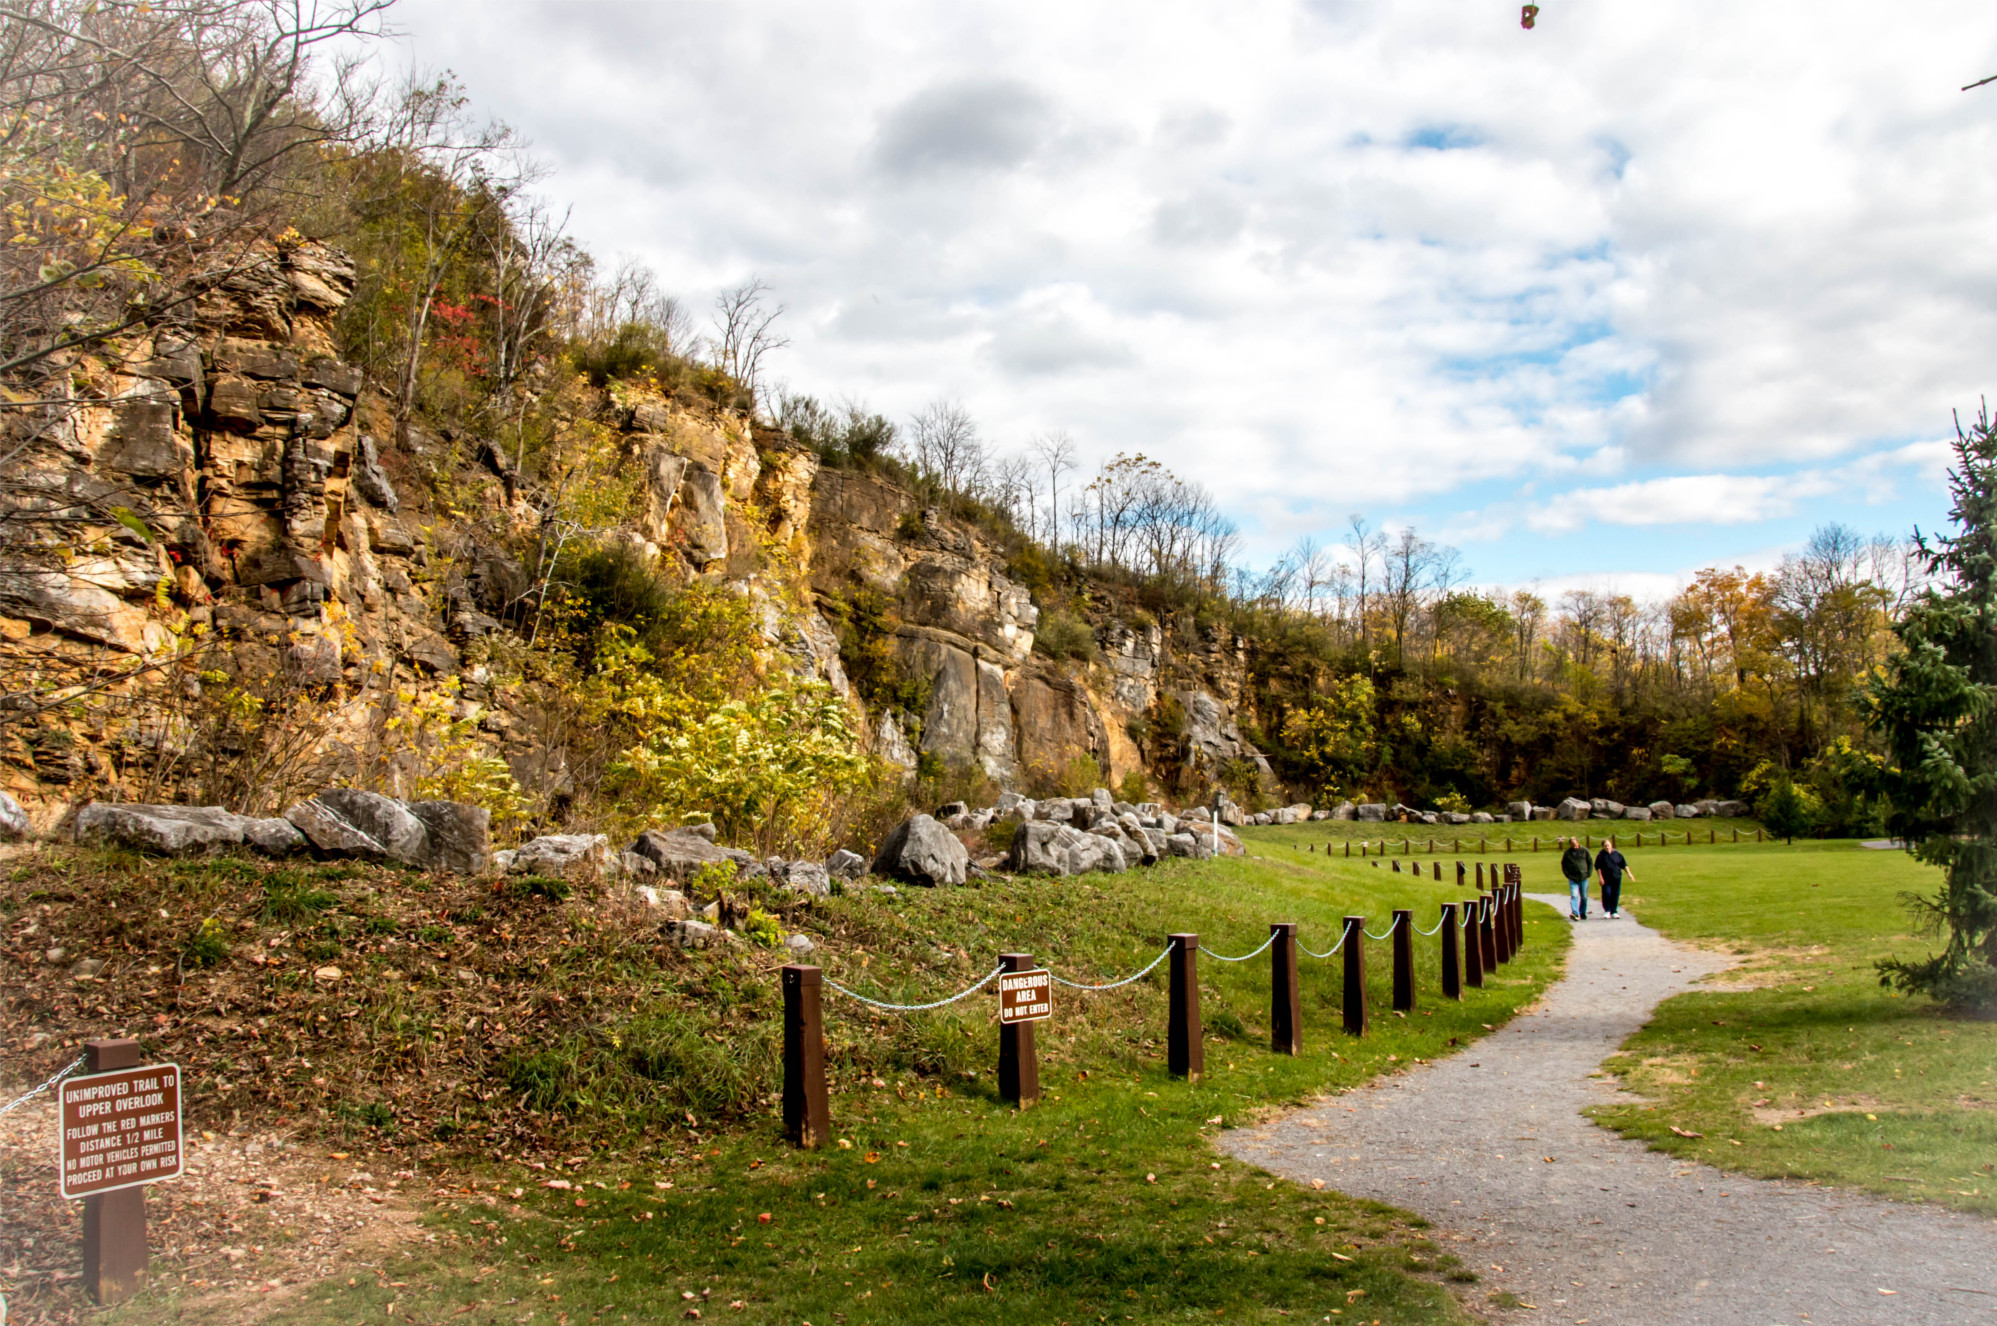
(230, 486)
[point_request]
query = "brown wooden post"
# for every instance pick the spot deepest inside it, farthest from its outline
(1480, 877)
(1518, 911)
(1286, 1007)
(1404, 960)
(1501, 921)
(1473, 948)
(1535, 842)
(1185, 1048)
(1452, 967)
(1397, 867)
(1438, 872)
(807, 1113)
(1019, 1062)
(1348, 847)
(1461, 872)
(1355, 976)
(1487, 933)
(114, 1223)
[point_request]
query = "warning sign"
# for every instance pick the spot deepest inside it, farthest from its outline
(1025, 996)
(120, 1129)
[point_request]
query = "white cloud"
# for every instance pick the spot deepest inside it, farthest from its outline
(1322, 257)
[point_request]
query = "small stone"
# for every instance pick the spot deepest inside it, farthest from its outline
(327, 974)
(87, 967)
(800, 944)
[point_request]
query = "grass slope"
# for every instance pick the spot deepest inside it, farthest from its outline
(1104, 1202)
(1812, 1070)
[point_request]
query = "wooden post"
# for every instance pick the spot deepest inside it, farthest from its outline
(1460, 873)
(1473, 949)
(1501, 921)
(1185, 1048)
(807, 1114)
(1438, 872)
(1452, 966)
(1518, 912)
(1019, 1061)
(1348, 847)
(1286, 1008)
(1404, 960)
(114, 1223)
(1355, 976)
(1487, 933)
(1397, 867)
(1480, 877)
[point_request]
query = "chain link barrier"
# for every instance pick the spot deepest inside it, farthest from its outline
(1244, 957)
(917, 1008)
(19, 1101)
(1347, 934)
(1077, 985)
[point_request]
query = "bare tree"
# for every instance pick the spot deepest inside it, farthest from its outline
(1056, 451)
(1365, 544)
(945, 448)
(745, 331)
(1405, 566)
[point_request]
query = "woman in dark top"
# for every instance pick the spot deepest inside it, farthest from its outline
(1611, 866)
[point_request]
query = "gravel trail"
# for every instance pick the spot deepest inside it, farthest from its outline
(1606, 1231)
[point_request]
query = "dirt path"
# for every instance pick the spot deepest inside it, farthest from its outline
(1589, 1227)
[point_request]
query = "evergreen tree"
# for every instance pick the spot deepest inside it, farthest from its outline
(1787, 812)
(1934, 707)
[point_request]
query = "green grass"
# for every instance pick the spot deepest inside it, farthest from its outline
(1463, 839)
(1104, 1202)
(1815, 1071)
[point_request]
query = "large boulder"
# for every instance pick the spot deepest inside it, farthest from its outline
(922, 851)
(1602, 808)
(13, 820)
(1733, 810)
(843, 864)
(561, 855)
(1189, 845)
(1481, 817)
(173, 830)
(1688, 812)
(1344, 810)
(1297, 814)
(1041, 848)
(1662, 810)
(1372, 812)
(684, 853)
(457, 835)
(1519, 810)
(384, 822)
(810, 877)
(1093, 851)
(1636, 812)
(1572, 808)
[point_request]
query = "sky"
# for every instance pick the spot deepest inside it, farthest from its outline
(1647, 288)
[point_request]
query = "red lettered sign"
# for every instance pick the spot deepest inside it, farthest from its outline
(120, 1129)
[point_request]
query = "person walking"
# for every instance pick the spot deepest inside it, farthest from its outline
(1611, 866)
(1574, 864)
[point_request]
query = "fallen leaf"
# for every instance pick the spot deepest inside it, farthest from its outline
(1685, 1132)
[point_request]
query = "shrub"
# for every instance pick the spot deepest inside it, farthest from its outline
(207, 946)
(1134, 787)
(1062, 635)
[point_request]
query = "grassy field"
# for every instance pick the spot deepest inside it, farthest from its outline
(1463, 839)
(1798, 1063)
(1103, 1202)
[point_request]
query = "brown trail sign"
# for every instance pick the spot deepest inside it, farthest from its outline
(1025, 996)
(120, 1130)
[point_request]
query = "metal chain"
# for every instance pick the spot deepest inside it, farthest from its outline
(917, 1008)
(17, 1103)
(1244, 957)
(1077, 985)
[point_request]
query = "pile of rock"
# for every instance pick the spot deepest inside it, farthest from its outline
(1601, 808)
(340, 821)
(1057, 836)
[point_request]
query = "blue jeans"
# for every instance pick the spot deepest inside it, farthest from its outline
(1612, 894)
(1577, 897)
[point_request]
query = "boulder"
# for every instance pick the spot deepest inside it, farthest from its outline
(800, 946)
(1344, 810)
(630, 863)
(330, 832)
(1165, 824)
(697, 934)
(1601, 808)
(1320, 814)
(1372, 812)
(1732, 810)
(1688, 812)
(1259, 818)
(1298, 813)
(952, 810)
(13, 820)
(1008, 800)
(1198, 815)
(559, 855)
(922, 851)
(1662, 810)
(846, 865)
(1480, 817)
(1458, 817)
(1041, 848)
(1133, 846)
(1545, 813)
(1573, 808)
(1519, 810)
(382, 820)
(1232, 815)
(1636, 812)
(167, 829)
(683, 853)
(1189, 845)
(458, 836)
(1154, 845)
(1093, 852)
(1101, 797)
(809, 877)
(273, 837)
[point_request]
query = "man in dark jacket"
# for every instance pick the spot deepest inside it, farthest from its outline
(1574, 863)
(1611, 866)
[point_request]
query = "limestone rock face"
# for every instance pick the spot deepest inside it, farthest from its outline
(922, 851)
(703, 523)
